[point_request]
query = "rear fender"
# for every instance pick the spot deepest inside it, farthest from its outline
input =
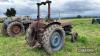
(7, 22)
(52, 24)
(67, 27)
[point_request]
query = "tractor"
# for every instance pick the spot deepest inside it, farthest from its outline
(96, 20)
(13, 25)
(48, 34)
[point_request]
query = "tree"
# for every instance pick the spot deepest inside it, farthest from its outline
(10, 12)
(79, 16)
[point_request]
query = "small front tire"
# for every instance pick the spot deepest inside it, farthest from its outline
(74, 37)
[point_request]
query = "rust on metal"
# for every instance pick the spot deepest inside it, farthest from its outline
(43, 3)
(66, 23)
(16, 29)
(39, 24)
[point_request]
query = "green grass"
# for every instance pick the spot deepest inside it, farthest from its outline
(89, 37)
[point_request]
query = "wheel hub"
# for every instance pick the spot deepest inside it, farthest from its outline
(56, 41)
(16, 29)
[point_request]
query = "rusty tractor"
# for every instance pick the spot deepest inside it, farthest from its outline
(13, 26)
(48, 34)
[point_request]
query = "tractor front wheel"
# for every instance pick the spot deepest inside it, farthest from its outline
(74, 37)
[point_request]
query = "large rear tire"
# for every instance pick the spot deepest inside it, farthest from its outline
(15, 28)
(53, 38)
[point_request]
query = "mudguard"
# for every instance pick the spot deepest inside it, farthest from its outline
(7, 21)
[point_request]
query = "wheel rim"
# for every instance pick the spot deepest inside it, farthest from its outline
(56, 41)
(16, 29)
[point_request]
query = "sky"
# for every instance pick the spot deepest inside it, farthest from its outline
(67, 8)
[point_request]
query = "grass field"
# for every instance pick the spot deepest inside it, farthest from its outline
(89, 37)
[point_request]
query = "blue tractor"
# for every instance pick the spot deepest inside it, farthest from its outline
(96, 20)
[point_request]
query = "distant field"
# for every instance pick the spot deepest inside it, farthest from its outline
(89, 37)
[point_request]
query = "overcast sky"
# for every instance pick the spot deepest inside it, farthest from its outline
(67, 8)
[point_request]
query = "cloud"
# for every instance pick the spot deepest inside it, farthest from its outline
(79, 7)
(25, 8)
(65, 7)
(3, 0)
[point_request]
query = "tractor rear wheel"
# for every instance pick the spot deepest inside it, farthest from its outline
(53, 38)
(15, 28)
